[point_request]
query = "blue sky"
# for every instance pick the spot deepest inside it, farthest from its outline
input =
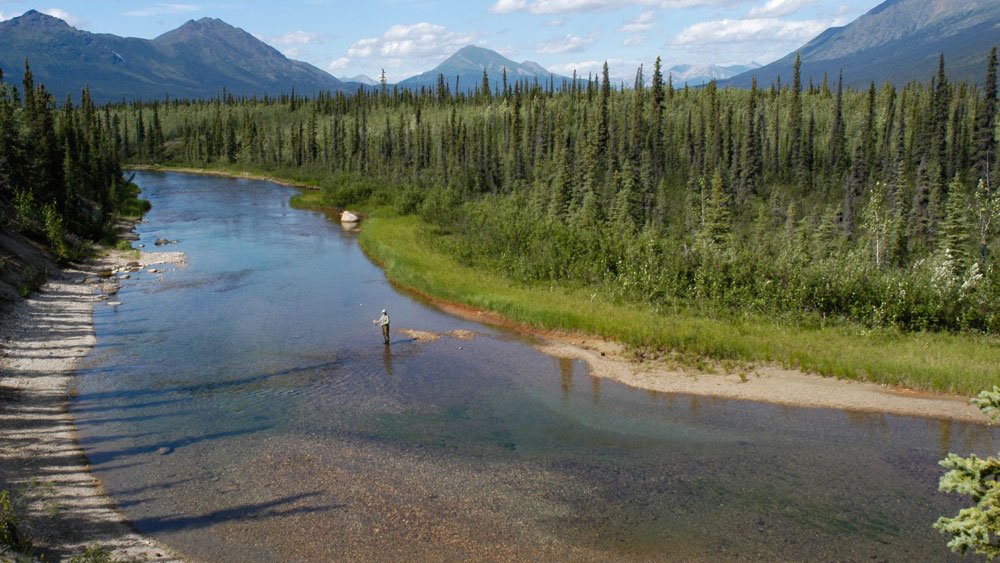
(406, 37)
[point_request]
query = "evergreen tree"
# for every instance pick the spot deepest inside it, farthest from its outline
(985, 133)
(954, 237)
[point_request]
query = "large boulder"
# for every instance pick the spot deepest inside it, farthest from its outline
(348, 217)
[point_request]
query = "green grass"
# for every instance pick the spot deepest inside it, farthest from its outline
(958, 363)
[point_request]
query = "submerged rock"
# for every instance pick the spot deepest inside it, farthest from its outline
(161, 241)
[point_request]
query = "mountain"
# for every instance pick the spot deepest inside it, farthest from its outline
(361, 79)
(696, 75)
(468, 64)
(196, 60)
(898, 40)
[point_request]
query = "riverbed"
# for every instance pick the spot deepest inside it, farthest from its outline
(245, 408)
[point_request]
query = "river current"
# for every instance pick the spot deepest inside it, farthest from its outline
(243, 408)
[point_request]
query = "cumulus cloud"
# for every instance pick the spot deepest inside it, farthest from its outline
(298, 38)
(566, 44)
(339, 64)
(581, 6)
(163, 9)
(413, 42)
(633, 41)
(582, 68)
(750, 30)
(639, 24)
(65, 16)
(778, 8)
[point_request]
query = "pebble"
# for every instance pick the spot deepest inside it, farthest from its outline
(124, 277)
(163, 451)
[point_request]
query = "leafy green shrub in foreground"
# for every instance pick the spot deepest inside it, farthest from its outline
(976, 528)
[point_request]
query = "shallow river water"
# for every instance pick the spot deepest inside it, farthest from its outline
(245, 409)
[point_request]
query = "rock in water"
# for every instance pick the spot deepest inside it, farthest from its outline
(161, 241)
(348, 217)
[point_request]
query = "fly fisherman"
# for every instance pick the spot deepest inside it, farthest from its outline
(383, 322)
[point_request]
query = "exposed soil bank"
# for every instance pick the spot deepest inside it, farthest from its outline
(43, 338)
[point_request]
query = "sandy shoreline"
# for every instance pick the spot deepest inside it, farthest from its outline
(770, 384)
(43, 339)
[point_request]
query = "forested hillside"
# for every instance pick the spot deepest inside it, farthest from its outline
(61, 182)
(813, 204)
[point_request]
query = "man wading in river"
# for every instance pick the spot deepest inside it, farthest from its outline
(383, 322)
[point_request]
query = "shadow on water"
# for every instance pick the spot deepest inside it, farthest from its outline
(242, 513)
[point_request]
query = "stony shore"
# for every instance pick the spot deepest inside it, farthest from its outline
(42, 339)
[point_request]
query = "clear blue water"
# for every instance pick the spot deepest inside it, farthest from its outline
(244, 408)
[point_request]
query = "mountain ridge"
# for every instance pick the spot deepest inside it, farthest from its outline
(198, 59)
(899, 41)
(468, 63)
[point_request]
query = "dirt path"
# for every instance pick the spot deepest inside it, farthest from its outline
(43, 338)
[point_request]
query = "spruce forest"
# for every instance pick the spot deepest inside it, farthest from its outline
(61, 180)
(808, 202)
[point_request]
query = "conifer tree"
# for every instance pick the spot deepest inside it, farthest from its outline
(955, 229)
(985, 134)
(717, 223)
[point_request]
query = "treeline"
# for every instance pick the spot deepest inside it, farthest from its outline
(811, 200)
(60, 168)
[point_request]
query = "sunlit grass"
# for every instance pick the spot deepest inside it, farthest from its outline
(959, 363)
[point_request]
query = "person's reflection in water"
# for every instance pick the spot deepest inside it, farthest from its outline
(387, 359)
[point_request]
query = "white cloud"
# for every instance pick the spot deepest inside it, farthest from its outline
(633, 41)
(619, 70)
(413, 42)
(65, 16)
(557, 22)
(292, 53)
(582, 68)
(750, 30)
(163, 9)
(566, 44)
(339, 64)
(778, 8)
(581, 6)
(298, 38)
(641, 23)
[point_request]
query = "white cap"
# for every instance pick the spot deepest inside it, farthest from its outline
(383, 310)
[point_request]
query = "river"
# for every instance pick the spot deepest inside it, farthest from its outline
(244, 409)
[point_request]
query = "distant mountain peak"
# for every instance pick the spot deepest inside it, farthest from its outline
(468, 64)
(38, 19)
(360, 79)
(198, 59)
